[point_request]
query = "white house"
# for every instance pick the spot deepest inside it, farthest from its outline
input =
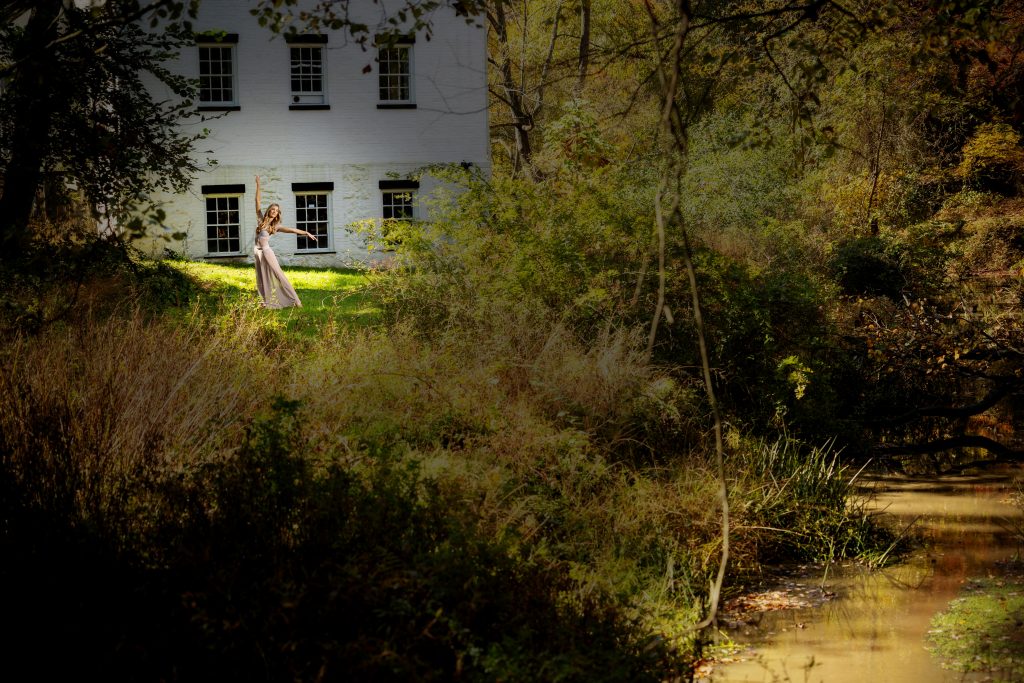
(333, 128)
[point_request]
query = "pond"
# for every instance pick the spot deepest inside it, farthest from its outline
(854, 624)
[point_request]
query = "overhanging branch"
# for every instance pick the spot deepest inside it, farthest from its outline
(1004, 452)
(990, 399)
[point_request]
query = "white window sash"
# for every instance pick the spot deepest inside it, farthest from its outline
(232, 60)
(324, 239)
(395, 78)
(312, 96)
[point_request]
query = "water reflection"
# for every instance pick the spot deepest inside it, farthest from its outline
(874, 629)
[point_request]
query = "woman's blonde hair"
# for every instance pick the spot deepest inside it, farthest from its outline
(268, 224)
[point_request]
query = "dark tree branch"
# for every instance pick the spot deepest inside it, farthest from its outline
(951, 443)
(809, 11)
(992, 398)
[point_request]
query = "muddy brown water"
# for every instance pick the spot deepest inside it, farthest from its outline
(871, 625)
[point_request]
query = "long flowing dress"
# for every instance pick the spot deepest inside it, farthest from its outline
(271, 283)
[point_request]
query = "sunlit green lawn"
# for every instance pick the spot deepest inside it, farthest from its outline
(329, 295)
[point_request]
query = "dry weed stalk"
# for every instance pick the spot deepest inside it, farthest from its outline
(103, 401)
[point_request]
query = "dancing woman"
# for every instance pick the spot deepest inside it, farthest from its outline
(271, 283)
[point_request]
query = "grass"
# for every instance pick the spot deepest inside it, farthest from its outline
(330, 296)
(981, 631)
(513, 446)
(176, 478)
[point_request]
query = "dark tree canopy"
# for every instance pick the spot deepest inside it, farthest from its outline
(336, 15)
(76, 112)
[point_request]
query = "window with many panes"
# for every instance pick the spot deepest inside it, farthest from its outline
(398, 203)
(312, 213)
(308, 76)
(217, 74)
(223, 223)
(394, 68)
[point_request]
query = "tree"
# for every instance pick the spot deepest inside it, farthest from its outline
(392, 20)
(76, 105)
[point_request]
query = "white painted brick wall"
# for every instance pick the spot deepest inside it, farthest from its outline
(354, 144)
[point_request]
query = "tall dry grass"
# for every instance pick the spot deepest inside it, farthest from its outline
(529, 431)
(90, 406)
(139, 431)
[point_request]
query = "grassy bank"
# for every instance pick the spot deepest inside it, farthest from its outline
(215, 493)
(980, 631)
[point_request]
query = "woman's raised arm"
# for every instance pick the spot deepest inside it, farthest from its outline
(259, 211)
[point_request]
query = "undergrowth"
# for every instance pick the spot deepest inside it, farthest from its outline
(75, 273)
(208, 497)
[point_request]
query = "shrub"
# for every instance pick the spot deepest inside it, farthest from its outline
(74, 273)
(564, 249)
(993, 159)
(995, 243)
(848, 196)
(868, 265)
(966, 204)
(913, 197)
(173, 540)
(755, 320)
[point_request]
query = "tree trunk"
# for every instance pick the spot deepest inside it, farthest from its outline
(522, 122)
(584, 53)
(876, 171)
(30, 92)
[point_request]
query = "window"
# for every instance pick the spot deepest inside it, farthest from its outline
(394, 69)
(312, 213)
(398, 203)
(307, 71)
(222, 225)
(217, 74)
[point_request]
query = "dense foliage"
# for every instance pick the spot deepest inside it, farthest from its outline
(260, 568)
(81, 117)
(497, 481)
(852, 184)
(414, 508)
